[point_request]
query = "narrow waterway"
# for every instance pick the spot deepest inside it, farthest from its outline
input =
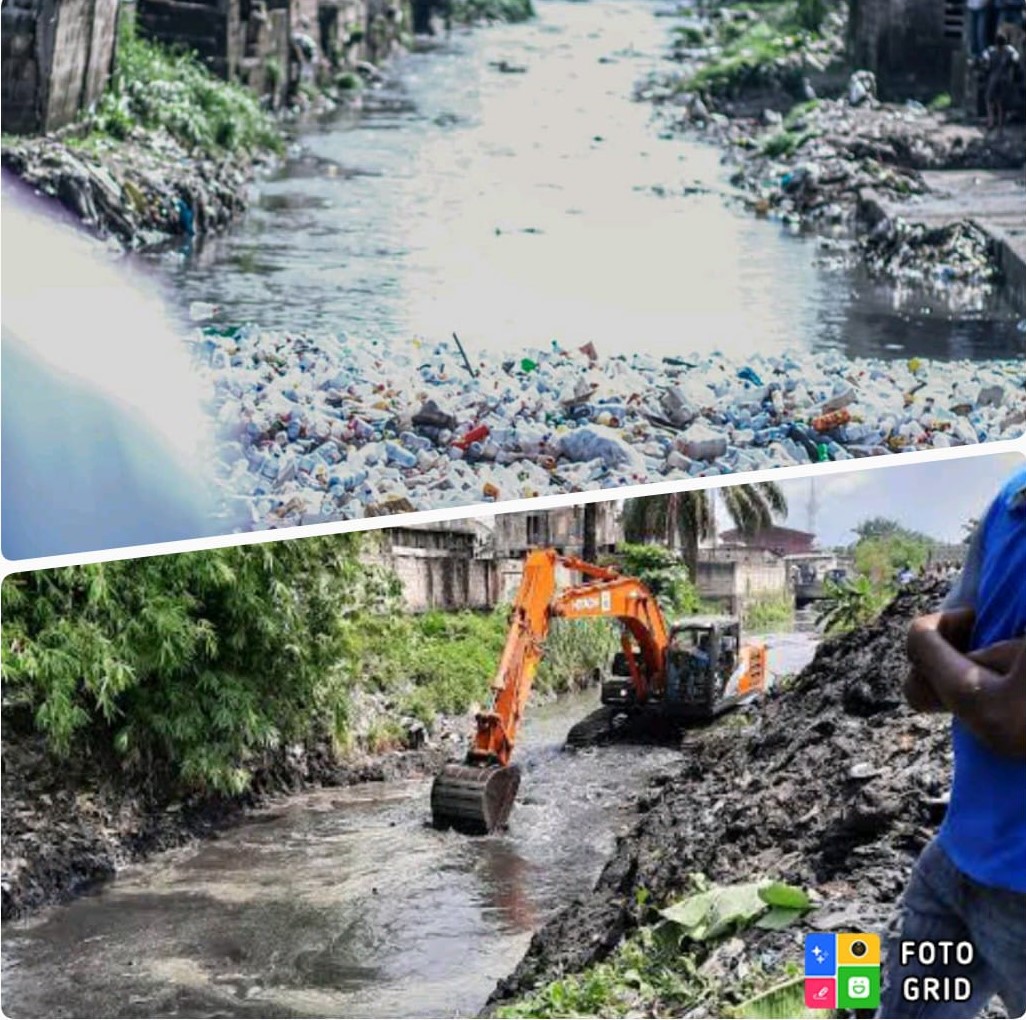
(537, 202)
(344, 902)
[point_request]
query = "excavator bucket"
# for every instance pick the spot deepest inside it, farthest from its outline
(474, 799)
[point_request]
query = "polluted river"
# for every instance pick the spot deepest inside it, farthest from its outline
(345, 902)
(505, 185)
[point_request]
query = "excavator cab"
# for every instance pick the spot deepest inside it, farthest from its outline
(708, 670)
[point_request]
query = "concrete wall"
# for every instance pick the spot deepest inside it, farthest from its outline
(911, 46)
(562, 529)
(437, 568)
(735, 578)
(56, 60)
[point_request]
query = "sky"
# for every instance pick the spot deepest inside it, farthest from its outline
(936, 498)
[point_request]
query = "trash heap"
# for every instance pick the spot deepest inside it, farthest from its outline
(915, 253)
(138, 192)
(315, 429)
(810, 168)
(832, 784)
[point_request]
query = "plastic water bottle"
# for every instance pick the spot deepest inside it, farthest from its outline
(396, 454)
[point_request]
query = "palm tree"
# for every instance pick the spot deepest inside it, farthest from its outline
(685, 518)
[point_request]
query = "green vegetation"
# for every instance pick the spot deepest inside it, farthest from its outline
(785, 143)
(797, 114)
(198, 662)
(685, 518)
(850, 604)
(663, 573)
(349, 82)
(573, 649)
(941, 101)
(428, 664)
(768, 613)
(691, 35)
(469, 12)
(157, 89)
(656, 970)
(749, 48)
(884, 548)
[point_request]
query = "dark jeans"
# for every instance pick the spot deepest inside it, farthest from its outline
(979, 25)
(941, 903)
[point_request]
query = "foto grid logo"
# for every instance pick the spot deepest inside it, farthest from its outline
(842, 971)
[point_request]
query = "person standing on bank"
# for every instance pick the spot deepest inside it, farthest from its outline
(969, 884)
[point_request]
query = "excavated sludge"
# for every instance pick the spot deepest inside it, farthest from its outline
(473, 799)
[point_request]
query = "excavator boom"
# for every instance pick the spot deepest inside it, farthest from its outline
(477, 796)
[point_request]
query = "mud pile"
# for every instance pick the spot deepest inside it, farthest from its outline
(833, 785)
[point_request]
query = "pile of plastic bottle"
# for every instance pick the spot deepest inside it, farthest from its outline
(321, 428)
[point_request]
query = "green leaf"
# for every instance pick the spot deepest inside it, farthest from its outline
(779, 917)
(779, 894)
(706, 915)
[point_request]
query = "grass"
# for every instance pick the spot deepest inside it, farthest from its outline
(750, 48)
(158, 89)
(443, 663)
(768, 613)
(785, 143)
(469, 12)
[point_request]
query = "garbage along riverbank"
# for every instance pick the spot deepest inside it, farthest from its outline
(70, 824)
(316, 429)
(806, 138)
(832, 785)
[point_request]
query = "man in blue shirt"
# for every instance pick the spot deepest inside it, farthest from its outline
(969, 884)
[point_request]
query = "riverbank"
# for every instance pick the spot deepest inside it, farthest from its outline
(68, 825)
(807, 139)
(317, 429)
(833, 786)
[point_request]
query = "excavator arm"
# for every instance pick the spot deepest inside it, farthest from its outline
(478, 796)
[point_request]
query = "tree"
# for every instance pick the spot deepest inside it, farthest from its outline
(969, 529)
(196, 662)
(663, 573)
(885, 527)
(683, 519)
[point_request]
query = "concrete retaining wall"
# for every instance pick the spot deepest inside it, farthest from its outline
(740, 579)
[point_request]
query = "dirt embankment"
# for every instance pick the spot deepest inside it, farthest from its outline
(69, 824)
(833, 785)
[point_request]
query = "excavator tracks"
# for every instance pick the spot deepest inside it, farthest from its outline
(474, 799)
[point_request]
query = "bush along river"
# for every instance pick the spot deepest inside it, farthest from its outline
(345, 902)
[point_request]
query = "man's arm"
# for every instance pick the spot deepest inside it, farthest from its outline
(991, 702)
(957, 627)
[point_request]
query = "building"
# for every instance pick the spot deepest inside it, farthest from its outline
(734, 577)
(564, 529)
(440, 566)
(478, 564)
(774, 539)
(56, 60)
(915, 48)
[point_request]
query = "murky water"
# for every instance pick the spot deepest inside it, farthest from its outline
(343, 902)
(515, 208)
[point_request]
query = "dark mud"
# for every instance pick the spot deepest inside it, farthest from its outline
(69, 824)
(833, 784)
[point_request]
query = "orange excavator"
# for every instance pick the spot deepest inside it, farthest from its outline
(696, 668)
